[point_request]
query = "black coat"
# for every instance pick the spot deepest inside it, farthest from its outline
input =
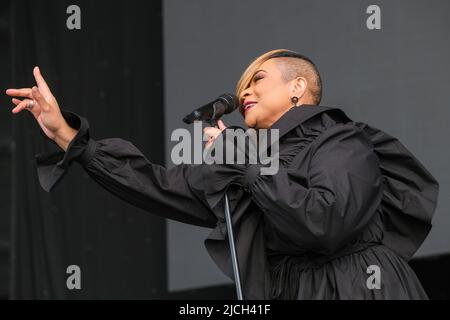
(346, 196)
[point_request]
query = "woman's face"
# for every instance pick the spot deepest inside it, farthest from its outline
(271, 93)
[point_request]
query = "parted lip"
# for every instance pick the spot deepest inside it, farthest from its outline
(245, 105)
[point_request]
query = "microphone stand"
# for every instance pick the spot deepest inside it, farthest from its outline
(233, 252)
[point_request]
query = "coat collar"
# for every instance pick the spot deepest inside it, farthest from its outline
(298, 115)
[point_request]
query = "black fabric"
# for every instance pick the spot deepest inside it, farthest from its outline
(46, 166)
(342, 200)
(106, 71)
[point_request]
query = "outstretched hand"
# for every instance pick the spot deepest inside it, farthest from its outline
(45, 110)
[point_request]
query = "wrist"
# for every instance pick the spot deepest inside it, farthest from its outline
(64, 136)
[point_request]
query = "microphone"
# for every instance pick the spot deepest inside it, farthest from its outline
(212, 111)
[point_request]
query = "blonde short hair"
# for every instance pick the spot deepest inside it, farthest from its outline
(292, 65)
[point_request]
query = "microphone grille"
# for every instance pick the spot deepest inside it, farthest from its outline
(231, 101)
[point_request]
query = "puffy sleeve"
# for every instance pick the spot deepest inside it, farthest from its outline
(119, 167)
(330, 199)
(410, 195)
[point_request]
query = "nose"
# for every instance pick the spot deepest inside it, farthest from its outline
(245, 93)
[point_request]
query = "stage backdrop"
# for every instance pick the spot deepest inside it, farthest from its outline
(5, 151)
(395, 78)
(110, 71)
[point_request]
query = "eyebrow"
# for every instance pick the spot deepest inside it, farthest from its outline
(256, 72)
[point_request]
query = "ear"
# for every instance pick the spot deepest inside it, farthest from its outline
(298, 87)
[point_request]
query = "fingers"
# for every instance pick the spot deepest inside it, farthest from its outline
(16, 101)
(209, 143)
(23, 104)
(24, 92)
(43, 87)
(211, 132)
(221, 125)
(36, 94)
(20, 105)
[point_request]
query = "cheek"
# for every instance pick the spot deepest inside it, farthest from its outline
(267, 89)
(277, 99)
(273, 101)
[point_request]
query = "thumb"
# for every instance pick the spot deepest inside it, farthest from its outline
(39, 98)
(221, 125)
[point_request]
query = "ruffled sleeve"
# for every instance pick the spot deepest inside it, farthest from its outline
(119, 167)
(51, 167)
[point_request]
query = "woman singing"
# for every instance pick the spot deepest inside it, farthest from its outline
(346, 210)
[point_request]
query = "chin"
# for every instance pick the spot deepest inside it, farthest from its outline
(250, 122)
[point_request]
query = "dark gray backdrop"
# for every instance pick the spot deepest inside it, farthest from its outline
(101, 73)
(396, 79)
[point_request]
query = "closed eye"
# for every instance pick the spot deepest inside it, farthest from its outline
(258, 75)
(255, 79)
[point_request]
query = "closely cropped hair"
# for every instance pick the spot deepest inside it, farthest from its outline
(292, 65)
